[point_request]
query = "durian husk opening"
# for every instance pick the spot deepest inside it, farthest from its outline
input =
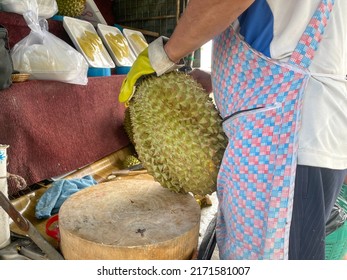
(177, 133)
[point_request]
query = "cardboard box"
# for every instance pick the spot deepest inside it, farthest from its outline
(92, 14)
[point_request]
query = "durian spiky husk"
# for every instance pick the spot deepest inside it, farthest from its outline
(71, 8)
(128, 126)
(177, 133)
(130, 160)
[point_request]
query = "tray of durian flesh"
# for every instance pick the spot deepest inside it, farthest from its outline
(136, 40)
(87, 41)
(116, 44)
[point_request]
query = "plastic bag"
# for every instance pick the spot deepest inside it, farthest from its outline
(6, 67)
(47, 57)
(336, 219)
(46, 8)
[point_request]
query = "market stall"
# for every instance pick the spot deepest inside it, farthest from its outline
(59, 132)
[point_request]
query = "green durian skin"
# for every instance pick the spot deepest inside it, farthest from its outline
(130, 160)
(128, 126)
(71, 8)
(178, 133)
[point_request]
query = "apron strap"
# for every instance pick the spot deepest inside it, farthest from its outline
(309, 41)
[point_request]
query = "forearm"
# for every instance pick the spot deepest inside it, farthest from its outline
(202, 20)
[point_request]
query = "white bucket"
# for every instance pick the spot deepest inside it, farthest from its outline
(4, 218)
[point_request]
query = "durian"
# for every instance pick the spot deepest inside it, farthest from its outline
(71, 8)
(178, 133)
(130, 160)
(128, 126)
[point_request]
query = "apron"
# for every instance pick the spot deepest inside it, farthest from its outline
(260, 101)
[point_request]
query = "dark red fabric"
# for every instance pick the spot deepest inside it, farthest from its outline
(53, 127)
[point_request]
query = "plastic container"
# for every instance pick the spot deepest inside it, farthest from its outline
(136, 40)
(116, 44)
(92, 14)
(122, 70)
(88, 42)
(343, 191)
(97, 72)
(336, 242)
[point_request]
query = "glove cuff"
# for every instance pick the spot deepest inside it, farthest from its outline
(158, 58)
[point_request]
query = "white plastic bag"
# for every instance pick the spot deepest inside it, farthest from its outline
(46, 8)
(47, 57)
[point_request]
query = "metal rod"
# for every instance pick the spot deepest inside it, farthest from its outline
(147, 18)
(178, 6)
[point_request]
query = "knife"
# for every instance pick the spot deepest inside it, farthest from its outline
(29, 229)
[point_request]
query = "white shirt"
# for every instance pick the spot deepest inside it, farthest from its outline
(323, 135)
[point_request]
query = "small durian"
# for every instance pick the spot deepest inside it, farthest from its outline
(130, 160)
(71, 8)
(178, 133)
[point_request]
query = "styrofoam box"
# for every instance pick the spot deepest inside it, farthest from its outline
(76, 28)
(135, 46)
(92, 14)
(105, 30)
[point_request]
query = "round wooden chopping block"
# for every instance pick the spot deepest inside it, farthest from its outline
(129, 220)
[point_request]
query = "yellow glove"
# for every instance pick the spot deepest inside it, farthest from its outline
(152, 60)
(141, 67)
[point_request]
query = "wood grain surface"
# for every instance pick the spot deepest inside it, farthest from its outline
(129, 219)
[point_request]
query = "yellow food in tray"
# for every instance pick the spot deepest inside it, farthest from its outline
(90, 43)
(139, 41)
(118, 45)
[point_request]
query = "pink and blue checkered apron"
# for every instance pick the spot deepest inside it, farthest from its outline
(260, 101)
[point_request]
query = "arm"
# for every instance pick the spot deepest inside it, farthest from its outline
(202, 20)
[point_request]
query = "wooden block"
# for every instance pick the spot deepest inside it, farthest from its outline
(129, 219)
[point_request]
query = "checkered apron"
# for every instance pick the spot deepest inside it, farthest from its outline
(260, 101)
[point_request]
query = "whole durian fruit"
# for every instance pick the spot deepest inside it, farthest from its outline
(130, 160)
(177, 133)
(71, 8)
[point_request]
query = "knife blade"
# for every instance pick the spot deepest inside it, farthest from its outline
(29, 229)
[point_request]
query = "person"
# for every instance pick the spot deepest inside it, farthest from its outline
(275, 64)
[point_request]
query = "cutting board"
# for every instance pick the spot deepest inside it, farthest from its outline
(128, 220)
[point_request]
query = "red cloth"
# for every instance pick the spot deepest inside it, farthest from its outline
(54, 127)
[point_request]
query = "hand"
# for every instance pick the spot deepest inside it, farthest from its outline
(152, 60)
(141, 67)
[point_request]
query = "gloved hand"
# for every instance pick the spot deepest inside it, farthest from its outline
(153, 60)
(141, 67)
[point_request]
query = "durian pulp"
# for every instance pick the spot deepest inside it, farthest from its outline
(138, 41)
(90, 43)
(118, 45)
(178, 133)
